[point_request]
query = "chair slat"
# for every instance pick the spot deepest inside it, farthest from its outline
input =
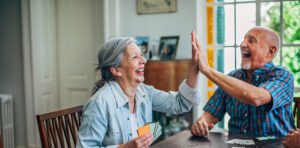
(66, 135)
(55, 127)
(75, 125)
(297, 110)
(52, 133)
(58, 131)
(66, 131)
(71, 127)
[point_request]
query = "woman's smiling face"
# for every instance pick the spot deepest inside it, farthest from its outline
(132, 65)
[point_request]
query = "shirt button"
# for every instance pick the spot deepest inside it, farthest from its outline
(246, 115)
(257, 77)
(128, 118)
(130, 134)
(245, 131)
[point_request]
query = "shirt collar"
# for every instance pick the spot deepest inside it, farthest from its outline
(262, 71)
(121, 98)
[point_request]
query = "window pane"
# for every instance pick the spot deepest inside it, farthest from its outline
(291, 17)
(270, 15)
(229, 60)
(225, 25)
(291, 60)
(245, 19)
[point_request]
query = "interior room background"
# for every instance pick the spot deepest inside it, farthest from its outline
(48, 48)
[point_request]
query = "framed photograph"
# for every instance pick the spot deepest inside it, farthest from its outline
(143, 43)
(168, 47)
(156, 6)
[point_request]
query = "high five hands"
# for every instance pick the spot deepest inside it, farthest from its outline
(198, 54)
(201, 127)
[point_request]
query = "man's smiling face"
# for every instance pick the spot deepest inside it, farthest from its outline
(255, 49)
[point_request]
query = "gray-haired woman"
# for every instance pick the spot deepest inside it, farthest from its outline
(121, 102)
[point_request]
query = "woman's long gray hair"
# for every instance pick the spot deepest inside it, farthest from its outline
(110, 55)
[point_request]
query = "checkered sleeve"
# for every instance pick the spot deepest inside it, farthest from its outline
(216, 105)
(280, 84)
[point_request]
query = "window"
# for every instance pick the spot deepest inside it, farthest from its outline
(229, 20)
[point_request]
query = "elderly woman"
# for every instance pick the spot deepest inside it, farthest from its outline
(121, 102)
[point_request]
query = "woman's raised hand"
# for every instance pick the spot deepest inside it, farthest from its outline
(198, 54)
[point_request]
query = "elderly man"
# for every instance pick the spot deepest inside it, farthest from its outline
(258, 97)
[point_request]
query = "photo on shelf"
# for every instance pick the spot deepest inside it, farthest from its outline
(168, 47)
(142, 42)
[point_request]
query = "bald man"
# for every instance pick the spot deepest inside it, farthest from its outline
(258, 97)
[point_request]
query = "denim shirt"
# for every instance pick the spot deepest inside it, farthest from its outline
(105, 120)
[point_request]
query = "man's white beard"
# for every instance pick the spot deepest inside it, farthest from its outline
(246, 66)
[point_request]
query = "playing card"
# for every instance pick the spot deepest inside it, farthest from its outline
(144, 130)
(241, 141)
(266, 138)
(154, 128)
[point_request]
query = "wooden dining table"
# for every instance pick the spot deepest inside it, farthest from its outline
(185, 139)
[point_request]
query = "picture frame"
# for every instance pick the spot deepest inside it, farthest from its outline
(156, 6)
(143, 43)
(168, 47)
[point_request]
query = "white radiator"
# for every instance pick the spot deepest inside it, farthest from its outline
(6, 121)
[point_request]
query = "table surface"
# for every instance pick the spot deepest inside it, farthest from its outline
(185, 139)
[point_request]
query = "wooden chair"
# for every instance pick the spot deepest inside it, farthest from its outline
(59, 127)
(297, 110)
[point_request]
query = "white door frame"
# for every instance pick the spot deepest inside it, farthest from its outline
(111, 29)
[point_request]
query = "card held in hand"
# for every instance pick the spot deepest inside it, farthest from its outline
(154, 128)
(144, 130)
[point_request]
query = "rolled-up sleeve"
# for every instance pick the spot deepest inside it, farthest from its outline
(191, 94)
(280, 85)
(169, 102)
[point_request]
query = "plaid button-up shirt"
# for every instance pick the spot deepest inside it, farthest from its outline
(274, 118)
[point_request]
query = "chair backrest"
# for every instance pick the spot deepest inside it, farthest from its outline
(59, 127)
(1, 142)
(297, 111)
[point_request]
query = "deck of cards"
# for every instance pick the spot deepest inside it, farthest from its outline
(154, 128)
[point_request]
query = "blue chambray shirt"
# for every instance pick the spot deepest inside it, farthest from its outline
(274, 118)
(106, 123)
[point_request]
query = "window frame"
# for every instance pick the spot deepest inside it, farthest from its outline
(235, 45)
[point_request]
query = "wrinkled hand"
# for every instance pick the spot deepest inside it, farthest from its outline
(139, 142)
(292, 139)
(200, 56)
(201, 128)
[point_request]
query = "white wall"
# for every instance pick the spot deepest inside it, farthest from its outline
(181, 23)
